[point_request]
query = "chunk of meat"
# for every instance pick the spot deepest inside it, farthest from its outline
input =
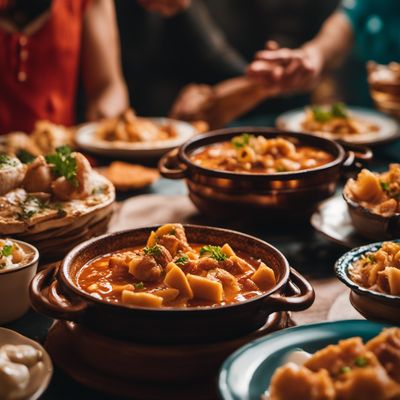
(145, 268)
(292, 382)
(38, 177)
(65, 190)
(162, 256)
(172, 237)
(229, 282)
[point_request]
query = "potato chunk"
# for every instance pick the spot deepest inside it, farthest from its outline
(168, 294)
(141, 299)
(176, 279)
(264, 277)
(206, 289)
(227, 250)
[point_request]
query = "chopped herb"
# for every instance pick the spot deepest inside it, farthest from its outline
(361, 361)
(30, 206)
(98, 190)
(7, 250)
(214, 252)
(371, 258)
(172, 232)
(139, 285)
(182, 260)
(25, 156)
(339, 110)
(241, 141)
(344, 370)
(385, 186)
(7, 161)
(64, 164)
(320, 114)
(60, 210)
(26, 214)
(153, 250)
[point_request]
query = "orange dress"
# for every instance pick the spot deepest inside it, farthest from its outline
(39, 72)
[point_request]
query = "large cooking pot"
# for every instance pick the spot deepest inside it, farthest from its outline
(278, 195)
(55, 293)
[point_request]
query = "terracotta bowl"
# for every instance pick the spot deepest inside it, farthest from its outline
(370, 225)
(54, 293)
(279, 195)
(372, 305)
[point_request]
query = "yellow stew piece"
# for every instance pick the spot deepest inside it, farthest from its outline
(256, 154)
(170, 272)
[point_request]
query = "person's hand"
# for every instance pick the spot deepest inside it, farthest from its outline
(167, 8)
(194, 102)
(286, 70)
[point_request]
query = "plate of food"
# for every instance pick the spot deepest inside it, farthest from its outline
(338, 121)
(131, 136)
(54, 201)
(351, 360)
(25, 367)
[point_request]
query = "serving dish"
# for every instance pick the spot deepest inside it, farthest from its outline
(332, 220)
(86, 139)
(40, 374)
(373, 212)
(54, 293)
(387, 129)
(246, 374)
(14, 284)
(369, 303)
(276, 195)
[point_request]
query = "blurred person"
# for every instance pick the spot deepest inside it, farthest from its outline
(370, 27)
(45, 45)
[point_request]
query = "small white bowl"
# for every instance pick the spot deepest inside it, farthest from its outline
(14, 286)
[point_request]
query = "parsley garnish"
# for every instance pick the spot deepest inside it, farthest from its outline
(30, 206)
(182, 260)
(344, 370)
(153, 250)
(337, 110)
(361, 361)
(7, 250)
(25, 157)
(214, 252)
(241, 141)
(385, 186)
(64, 164)
(139, 285)
(6, 160)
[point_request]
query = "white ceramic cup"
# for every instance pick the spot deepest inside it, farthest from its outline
(14, 286)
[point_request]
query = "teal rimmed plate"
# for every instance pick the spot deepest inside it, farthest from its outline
(246, 374)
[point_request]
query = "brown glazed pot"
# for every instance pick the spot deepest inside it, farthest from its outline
(279, 195)
(369, 303)
(370, 225)
(55, 293)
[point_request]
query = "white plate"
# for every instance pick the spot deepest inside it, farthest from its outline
(388, 127)
(41, 373)
(86, 139)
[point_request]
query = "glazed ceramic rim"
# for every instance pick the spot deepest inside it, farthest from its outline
(68, 281)
(32, 262)
(223, 386)
(192, 145)
(343, 264)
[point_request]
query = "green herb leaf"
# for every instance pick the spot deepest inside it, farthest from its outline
(344, 370)
(320, 114)
(339, 110)
(7, 161)
(371, 258)
(7, 250)
(25, 157)
(241, 141)
(182, 260)
(139, 285)
(214, 252)
(385, 186)
(361, 361)
(153, 250)
(64, 164)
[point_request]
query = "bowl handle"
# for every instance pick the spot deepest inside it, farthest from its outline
(47, 298)
(170, 167)
(357, 155)
(298, 295)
